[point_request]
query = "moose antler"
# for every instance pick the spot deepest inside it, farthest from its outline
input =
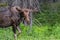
(31, 10)
(25, 9)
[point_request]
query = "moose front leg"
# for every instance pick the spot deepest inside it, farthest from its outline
(18, 28)
(15, 35)
(19, 31)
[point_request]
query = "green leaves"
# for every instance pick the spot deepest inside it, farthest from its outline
(3, 4)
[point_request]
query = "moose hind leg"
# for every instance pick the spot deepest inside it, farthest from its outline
(15, 35)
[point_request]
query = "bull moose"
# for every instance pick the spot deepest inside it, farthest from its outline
(13, 17)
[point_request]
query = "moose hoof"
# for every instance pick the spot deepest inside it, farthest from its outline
(19, 33)
(15, 36)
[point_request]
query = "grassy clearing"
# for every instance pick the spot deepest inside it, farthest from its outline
(37, 33)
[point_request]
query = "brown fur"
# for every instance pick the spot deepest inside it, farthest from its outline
(12, 17)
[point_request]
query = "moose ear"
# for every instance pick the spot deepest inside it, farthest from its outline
(18, 9)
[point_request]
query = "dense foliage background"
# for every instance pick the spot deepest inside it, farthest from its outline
(49, 13)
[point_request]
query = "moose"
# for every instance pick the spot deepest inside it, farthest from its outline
(13, 17)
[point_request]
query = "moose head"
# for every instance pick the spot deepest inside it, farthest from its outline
(24, 12)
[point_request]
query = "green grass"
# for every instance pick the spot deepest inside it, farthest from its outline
(45, 32)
